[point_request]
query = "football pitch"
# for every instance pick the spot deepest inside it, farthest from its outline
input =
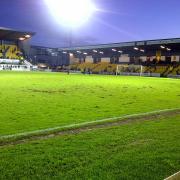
(37, 102)
(33, 101)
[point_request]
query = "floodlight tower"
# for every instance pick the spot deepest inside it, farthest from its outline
(71, 13)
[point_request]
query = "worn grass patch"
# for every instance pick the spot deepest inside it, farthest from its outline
(33, 101)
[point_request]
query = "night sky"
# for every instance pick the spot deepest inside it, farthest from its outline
(118, 21)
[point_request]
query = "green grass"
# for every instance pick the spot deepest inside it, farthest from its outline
(138, 150)
(32, 101)
(141, 150)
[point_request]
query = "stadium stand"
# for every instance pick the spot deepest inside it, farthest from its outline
(14, 50)
(10, 52)
(164, 71)
(150, 58)
(108, 68)
(96, 68)
(100, 68)
(146, 58)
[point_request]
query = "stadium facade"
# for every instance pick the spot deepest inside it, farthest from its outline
(49, 56)
(15, 48)
(137, 52)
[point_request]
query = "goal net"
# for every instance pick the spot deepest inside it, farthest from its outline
(134, 70)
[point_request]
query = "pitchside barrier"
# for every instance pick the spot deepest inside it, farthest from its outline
(14, 65)
(9, 67)
(151, 74)
(174, 76)
(9, 61)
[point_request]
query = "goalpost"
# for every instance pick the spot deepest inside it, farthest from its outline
(130, 70)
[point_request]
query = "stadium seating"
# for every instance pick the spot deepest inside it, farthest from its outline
(155, 69)
(163, 70)
(105, 67)
(96, 68)
(83, 66)
(101, 67)
(10, 52)
(176, 70)
(111, 68)
(73, 66)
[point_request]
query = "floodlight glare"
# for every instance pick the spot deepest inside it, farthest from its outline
(114, 50)
(21, 38)
(71, 13)
(142, 50)
(162, 47)
(71, 54)
(136, 48)
(27, 36)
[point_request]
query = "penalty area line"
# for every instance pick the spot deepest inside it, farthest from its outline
(78, 125)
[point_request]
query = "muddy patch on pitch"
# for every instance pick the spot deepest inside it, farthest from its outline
(48, 91)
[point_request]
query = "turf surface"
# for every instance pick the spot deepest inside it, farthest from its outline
(32, 101)
(139, 150)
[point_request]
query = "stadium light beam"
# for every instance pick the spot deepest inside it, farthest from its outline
(71, 13)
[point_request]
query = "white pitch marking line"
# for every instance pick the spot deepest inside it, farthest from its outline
(173, 177)
(84, 123)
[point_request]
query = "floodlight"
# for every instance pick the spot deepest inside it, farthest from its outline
(162, 47)
(101, 52)
(142, 50)
(85, 53)
(27, 36)
(136, 48)
(114, 50)
(21, 38)
(72, 13)
(64, 52)
(95, 51)
(78, 52)
(120, 52)
(71, 54)
(168, 49)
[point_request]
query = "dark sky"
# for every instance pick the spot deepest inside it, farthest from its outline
(120, 20)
